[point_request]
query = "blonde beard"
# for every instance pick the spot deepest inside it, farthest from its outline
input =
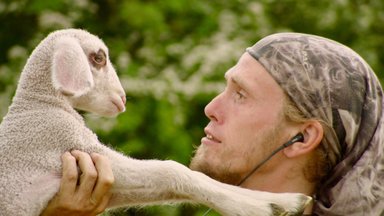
(224, 173)
(220, 173)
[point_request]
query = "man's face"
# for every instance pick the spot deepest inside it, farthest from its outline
(245, 123)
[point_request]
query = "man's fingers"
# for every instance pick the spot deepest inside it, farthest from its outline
(103, 203)
(105, 177)
(92, 195)
(89, 174)
(70, 175)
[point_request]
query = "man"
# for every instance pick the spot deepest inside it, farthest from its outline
(287, 84)
(247, 124)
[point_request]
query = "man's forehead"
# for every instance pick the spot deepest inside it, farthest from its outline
(243, 70)
(251, 75)
(238, 76)
(229, 72)
(233, 76)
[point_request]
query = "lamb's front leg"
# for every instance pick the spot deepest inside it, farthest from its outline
(242, 201)
(154, 182)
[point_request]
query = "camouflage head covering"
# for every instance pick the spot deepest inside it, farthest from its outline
(329, 81)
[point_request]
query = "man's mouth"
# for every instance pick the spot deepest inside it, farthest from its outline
(212, 138)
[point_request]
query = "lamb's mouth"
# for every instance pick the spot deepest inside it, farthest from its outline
(119, 105)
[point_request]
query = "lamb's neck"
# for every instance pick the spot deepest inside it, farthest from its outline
(36, 74)
(25, 101)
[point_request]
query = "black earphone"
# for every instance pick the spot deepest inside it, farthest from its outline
(298, 138)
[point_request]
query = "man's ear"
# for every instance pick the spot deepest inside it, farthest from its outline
(313, 134)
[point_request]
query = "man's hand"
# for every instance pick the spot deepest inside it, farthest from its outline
(86, 193)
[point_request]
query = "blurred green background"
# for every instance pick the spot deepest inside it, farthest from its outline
(171, 56)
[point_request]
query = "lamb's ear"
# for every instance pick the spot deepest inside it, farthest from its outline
(71, 73)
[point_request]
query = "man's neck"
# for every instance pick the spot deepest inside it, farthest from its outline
(279, 184)
(288, 178)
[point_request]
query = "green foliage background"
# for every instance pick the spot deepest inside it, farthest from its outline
(171, 56)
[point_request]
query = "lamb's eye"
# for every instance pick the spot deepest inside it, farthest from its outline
(98, 59)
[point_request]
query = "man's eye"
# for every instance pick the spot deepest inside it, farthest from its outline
(239, 95)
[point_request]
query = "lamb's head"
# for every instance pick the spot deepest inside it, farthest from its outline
(83, 74)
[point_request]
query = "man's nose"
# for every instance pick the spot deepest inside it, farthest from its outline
(212, 109)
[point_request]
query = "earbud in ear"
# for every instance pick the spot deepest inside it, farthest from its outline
(298, 138)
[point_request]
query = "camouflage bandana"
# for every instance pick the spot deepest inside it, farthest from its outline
(329, 81)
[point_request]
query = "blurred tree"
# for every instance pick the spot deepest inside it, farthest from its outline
(171, 56)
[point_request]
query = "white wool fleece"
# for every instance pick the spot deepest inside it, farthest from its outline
(71, 69)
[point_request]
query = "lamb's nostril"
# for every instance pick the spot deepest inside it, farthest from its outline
(124, 99)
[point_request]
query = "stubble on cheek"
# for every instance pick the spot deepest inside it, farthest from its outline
(230, 166)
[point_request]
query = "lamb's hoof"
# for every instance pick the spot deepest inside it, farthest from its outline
(303, 202)
(277, 210)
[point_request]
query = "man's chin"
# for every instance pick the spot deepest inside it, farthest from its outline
(199, 163)
(218, 173)
(196, 163)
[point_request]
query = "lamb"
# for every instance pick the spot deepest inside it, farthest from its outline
(69, 70)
